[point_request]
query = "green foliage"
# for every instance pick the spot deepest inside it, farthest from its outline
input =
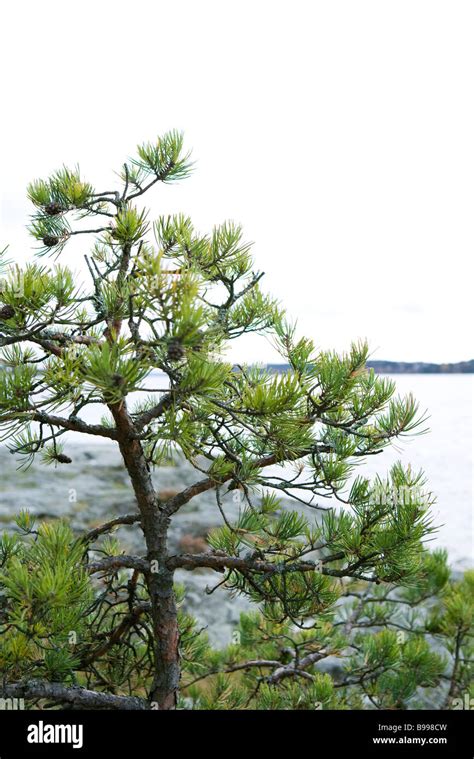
(130, 226)
(163, 158)
(17, 384)
(384, 649)
(375, 651)
(336, 576)
(113, 369)
(46, 594)
(64, 189)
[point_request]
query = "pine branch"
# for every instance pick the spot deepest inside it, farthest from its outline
(82, 698)
(220, 562)
(115, 636)
(112, 563)
(281, 671)
(296, 668)
(92, 535)
(74, 425)
(180, 499)
(154, 413)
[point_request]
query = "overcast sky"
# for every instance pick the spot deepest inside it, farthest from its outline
(340, 134)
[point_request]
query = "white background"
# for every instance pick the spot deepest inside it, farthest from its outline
(339, 133)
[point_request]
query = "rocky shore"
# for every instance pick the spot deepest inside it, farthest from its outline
(95, 488)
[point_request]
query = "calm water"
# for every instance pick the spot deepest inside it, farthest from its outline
(445, 453)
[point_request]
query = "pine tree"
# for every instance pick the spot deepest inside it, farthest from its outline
(84, 624)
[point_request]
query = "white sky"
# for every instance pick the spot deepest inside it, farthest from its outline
(340, 134)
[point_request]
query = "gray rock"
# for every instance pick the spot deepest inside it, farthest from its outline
(95, 488)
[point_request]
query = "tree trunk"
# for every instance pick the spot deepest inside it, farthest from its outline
(164, 691)
(155, 523)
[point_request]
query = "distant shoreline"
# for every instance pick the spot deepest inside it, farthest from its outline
(387, 367)
(403, 367)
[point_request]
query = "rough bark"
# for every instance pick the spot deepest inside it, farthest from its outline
(154, 523)
(74, 695)
(118, 562)
(108, 526)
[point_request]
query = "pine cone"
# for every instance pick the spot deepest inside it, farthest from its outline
(53, 209)
(199, 341)
(50, 241)
(175, 351)
(145, 353)
(118, 380)
(6, 312)
(63, 459)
